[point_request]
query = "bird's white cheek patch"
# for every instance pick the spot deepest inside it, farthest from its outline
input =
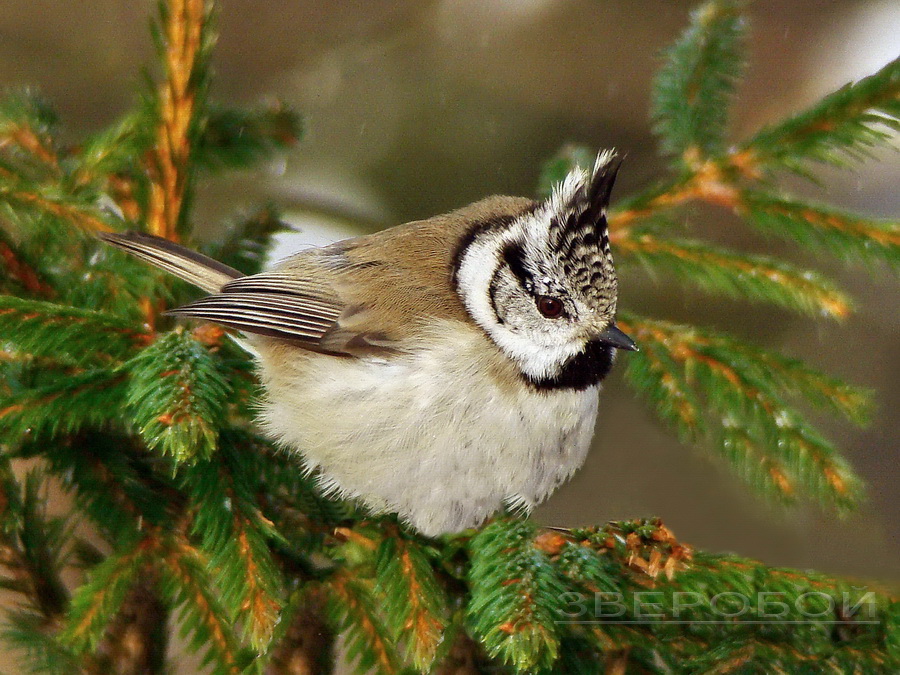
(476, 269)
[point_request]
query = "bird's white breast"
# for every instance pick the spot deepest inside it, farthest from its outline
(433, 435)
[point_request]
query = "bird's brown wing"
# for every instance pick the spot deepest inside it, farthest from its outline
(299, 306)
(367, 295)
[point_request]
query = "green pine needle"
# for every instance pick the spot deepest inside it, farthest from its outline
(516, 597)
(414, 601)
(177, 394)
(736, 275)
(692, 92)
(845, 125)
(66, 334)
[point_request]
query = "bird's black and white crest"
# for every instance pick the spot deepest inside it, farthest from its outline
(578, 233)
(556, 251)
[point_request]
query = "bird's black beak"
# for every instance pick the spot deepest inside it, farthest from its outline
(616, 338)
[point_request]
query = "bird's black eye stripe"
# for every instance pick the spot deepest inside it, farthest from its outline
(514, 257)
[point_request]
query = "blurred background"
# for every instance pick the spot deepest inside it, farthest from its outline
(416, 107)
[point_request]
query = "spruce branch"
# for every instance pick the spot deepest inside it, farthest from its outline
(716, 269)
(177, 393)
(235, 535)
(64, 405)
(844, 125)
(112, 483)
(186, 584)
(628, 558)
(414, 601)
(516, 597)
(97, 602)
(26, 632)
(67, 334)
(743, 391)
(693, 90)
(236, 139)
(49, 200)
(27, 128)
(185, 42)
(114, 151)
(19, 273)
(32, 545)
(352, 610)
(845, 235)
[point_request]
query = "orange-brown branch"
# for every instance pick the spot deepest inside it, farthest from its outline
(86, 221)
(24, 273)
(340, 584)
(177, 107)
(708, 183)
(684, 348)
(27, 139)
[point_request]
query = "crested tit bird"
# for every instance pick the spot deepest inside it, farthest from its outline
(439, 369)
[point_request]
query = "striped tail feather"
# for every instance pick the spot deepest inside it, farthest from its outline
(195, 268)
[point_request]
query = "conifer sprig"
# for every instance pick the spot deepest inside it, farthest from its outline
(709, 385)
(692, 92)
(845, 235)
(844, 125)
(63, 405)
(236, 139)
(353, 612)
(177, 393)
(235, 535)
(66, 334)
(516, 597)
(752, 277)
(27, 129)
(187, 586)
(96, 603)
(414, 601)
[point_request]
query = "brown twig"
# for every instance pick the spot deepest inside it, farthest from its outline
(30, 141)
(713, 181)
(177, 98)
(22, 272)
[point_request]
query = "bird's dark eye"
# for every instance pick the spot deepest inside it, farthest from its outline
(549, 306)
